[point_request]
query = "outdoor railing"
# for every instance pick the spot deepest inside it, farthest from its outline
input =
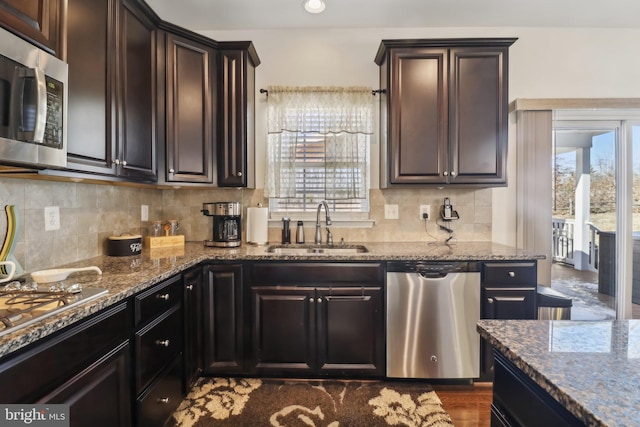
(563, 239)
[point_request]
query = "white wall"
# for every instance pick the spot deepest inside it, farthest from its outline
(544, 63)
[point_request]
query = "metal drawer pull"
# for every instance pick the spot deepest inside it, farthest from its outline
(163, 296)
(311, 300)
(490, 300)
(162, 343)
(319, 300)
(190, 287)
(512, 274)
(163, 400)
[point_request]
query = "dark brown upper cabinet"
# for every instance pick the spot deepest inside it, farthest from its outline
(236, 114)
(136, 149)
(443, 111)
(190, 110)
(39, 21)
(112, 111)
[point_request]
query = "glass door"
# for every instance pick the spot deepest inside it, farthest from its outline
(584, 220)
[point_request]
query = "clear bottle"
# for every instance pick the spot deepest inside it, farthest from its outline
(300, 232)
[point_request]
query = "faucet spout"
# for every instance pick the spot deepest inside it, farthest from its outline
(318, 237)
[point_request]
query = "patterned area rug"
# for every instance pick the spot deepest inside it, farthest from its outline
(329, 403)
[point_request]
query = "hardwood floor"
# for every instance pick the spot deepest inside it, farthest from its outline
(468, 405)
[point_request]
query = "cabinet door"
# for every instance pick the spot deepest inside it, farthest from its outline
(418, 138)
(283, 332)
(478, 115)
(509, 303)
(236, 92)
(136, 153)
(92, 71)
(190, 111)
(350, 327)
(100, 395)
(39, 21)
(503, 303)
(193, 319)
(223, 323)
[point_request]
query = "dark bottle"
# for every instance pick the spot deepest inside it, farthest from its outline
(286, 231)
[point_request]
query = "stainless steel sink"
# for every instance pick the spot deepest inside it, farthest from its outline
(317, 249)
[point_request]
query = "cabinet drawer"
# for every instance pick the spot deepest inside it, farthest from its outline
(51, 361)
(157, 404)
(159, 298)
(156, 345)
(317, 272)
(510, 273)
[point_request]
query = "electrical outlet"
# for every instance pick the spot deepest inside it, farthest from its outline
(390, 211)
(51, 218)
(425, 209)
(144, 213)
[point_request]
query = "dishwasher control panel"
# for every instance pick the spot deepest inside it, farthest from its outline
(442, 267)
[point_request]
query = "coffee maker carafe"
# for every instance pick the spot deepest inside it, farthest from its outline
(227, 224)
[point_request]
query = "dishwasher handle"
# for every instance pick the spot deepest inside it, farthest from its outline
(433, 274)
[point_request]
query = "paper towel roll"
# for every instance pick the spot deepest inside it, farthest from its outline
(258, 225)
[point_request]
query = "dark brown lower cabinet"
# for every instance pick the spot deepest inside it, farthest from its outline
(86, 366)
(223, 322)
(193, 320)
(100, 395)
(317, 331)
(519, 401)
(508, 291)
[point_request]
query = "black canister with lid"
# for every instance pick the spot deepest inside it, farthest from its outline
(286, 231)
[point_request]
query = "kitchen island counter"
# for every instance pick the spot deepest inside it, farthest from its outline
(126, 276)
(590, 368)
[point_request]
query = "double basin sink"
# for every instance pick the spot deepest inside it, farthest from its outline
(317, 249)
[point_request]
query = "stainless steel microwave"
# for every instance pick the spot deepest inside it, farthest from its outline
(33, 105)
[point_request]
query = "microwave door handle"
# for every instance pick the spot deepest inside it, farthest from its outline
(41, 106)
(37, 134)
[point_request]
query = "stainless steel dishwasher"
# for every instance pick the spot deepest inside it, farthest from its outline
(432, 309)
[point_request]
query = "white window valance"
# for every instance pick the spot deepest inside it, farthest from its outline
(320, 109)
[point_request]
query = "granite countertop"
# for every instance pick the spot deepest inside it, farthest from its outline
(126, 276)
(591, 367)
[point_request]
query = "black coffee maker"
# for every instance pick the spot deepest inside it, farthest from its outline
(227, 224)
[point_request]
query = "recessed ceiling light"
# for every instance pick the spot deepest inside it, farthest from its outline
(314, 6)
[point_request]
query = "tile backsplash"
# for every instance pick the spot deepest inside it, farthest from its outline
(89, 213)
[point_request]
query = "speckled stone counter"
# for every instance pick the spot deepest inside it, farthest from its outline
(126, 276)
(591, 368)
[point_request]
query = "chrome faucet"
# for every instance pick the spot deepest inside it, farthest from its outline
(318, 238)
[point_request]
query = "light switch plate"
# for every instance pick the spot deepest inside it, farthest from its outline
(144, 213)
(390, 211)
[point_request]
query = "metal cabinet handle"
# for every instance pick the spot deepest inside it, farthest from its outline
(163, 400)
(512, 274)
(239, 173)
(311, 300)
(163, 296)
(319, 300)
(172, 170)
(189, 287)
(163, 343)
(453, 173)
(490, 300)
(116, 161)
(446, 173)
(124, 163)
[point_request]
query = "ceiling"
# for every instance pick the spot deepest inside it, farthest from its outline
(217, 15)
